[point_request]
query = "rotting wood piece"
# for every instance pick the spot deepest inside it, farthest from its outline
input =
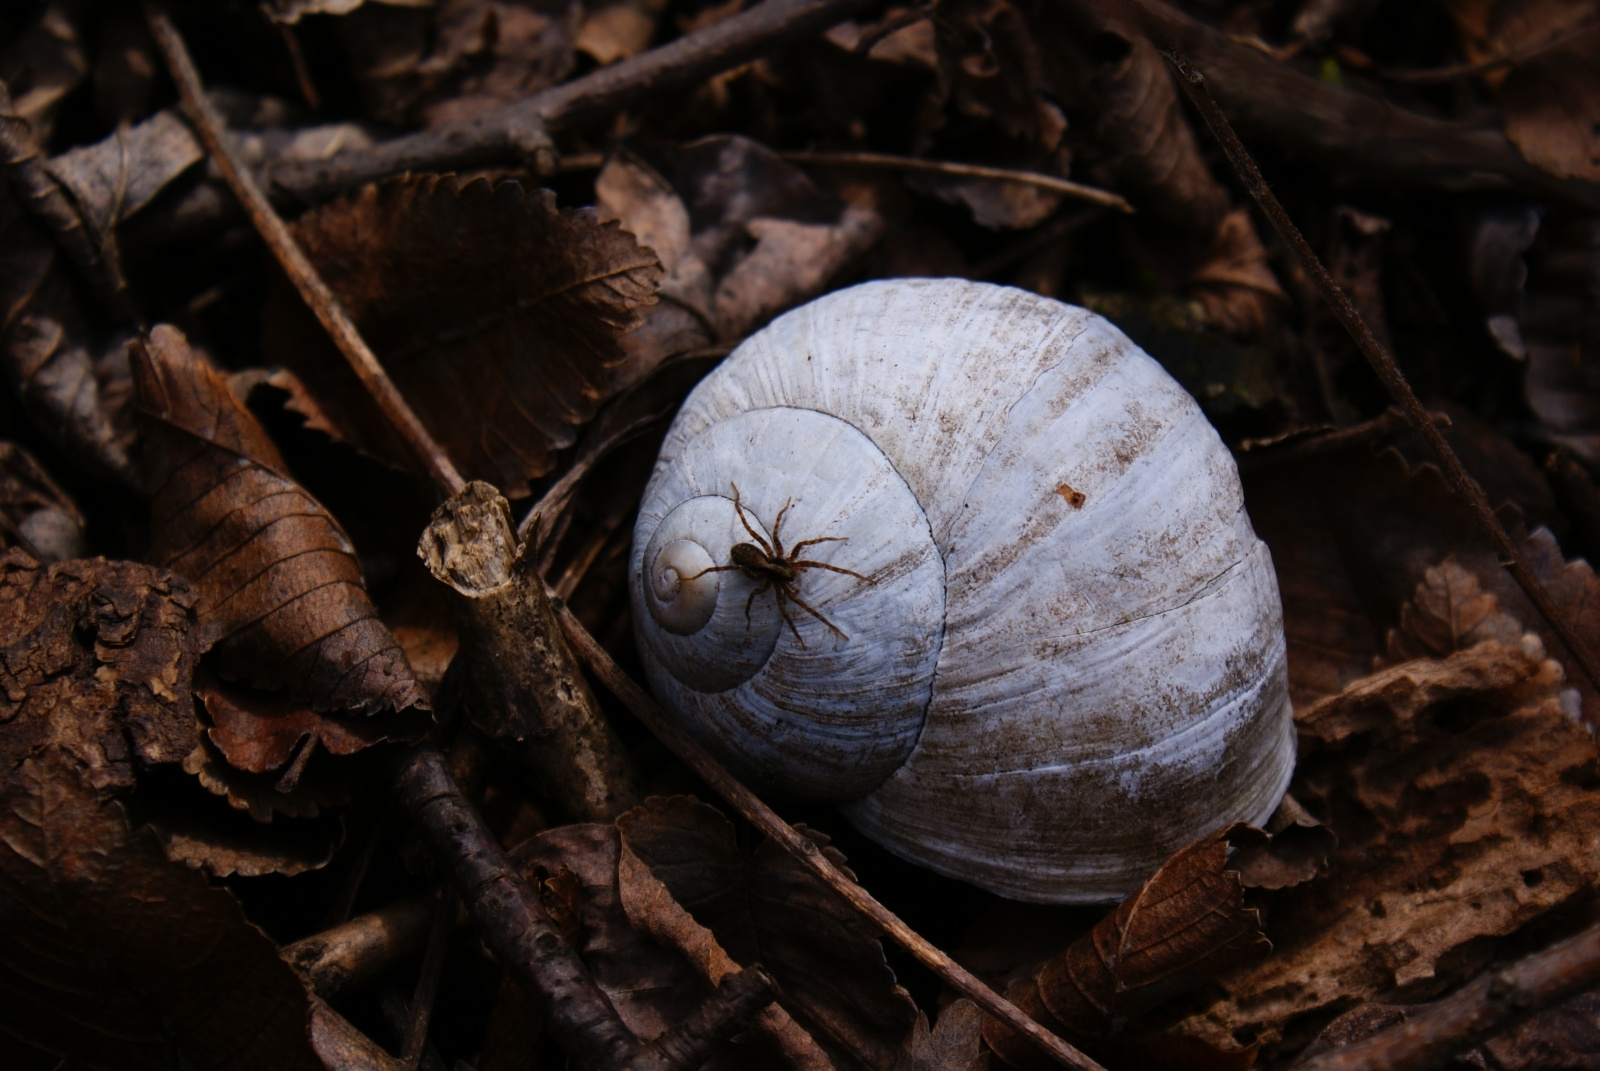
(1431, 1034)
(525, 690)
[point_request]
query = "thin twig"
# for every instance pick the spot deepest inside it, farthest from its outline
(951, 167)
(1382, 363)
(347, 956)
(1461, 71)
(765, 819)
(519, 132)
(209, 126)
(94, 255)
(1432, 1033)
(444, 924)
(528, 693)
(509, 915)
(737, 998)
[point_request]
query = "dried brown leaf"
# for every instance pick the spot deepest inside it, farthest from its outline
(45, 62)
(259, 731)
(651, 909)
(1551, 99)
(1450, 612)
(116, 177)
(1297, 852)
(617, 30)
(1462, 792)
(110, 956)
(633, 193)
(451, 60)
(650, 981)
(791, 261)
(1188, 924)
(834, 981)
(1153, 150)
(1234, 281)
(35, 513)
(954, 1044)
(72, 381)
(496, 314)
(281, 594)
(990, 67)
(993, 203)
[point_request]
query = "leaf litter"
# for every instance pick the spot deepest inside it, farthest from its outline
(195, 750)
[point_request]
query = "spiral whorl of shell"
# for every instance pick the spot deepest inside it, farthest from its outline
(1069, 659)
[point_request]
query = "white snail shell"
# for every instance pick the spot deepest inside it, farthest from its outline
(1067, 660)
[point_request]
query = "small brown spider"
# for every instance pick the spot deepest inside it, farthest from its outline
(776, 570)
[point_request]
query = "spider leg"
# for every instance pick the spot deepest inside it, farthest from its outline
(798, 601)
(804, 543)
(831, 569)
(712, 569)
(765, 548)
(777, 544)
(787, 620)
(751, 600)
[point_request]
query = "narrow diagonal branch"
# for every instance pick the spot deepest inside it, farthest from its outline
(510, 917)
(1461, 482)
(209, 126)
(803, 848)
(738, 997)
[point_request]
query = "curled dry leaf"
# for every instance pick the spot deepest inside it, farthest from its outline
(496, 314)
(35, 513)
(72, 382)
(1298, 850)
(1139, 122)
(110, 956)
(280, 592)
(835, 983)
(1462, 791)
(990, 67)
(116, 177)
(1188, 924)
(1552, 98)
(1234, 282)
(761, 236)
